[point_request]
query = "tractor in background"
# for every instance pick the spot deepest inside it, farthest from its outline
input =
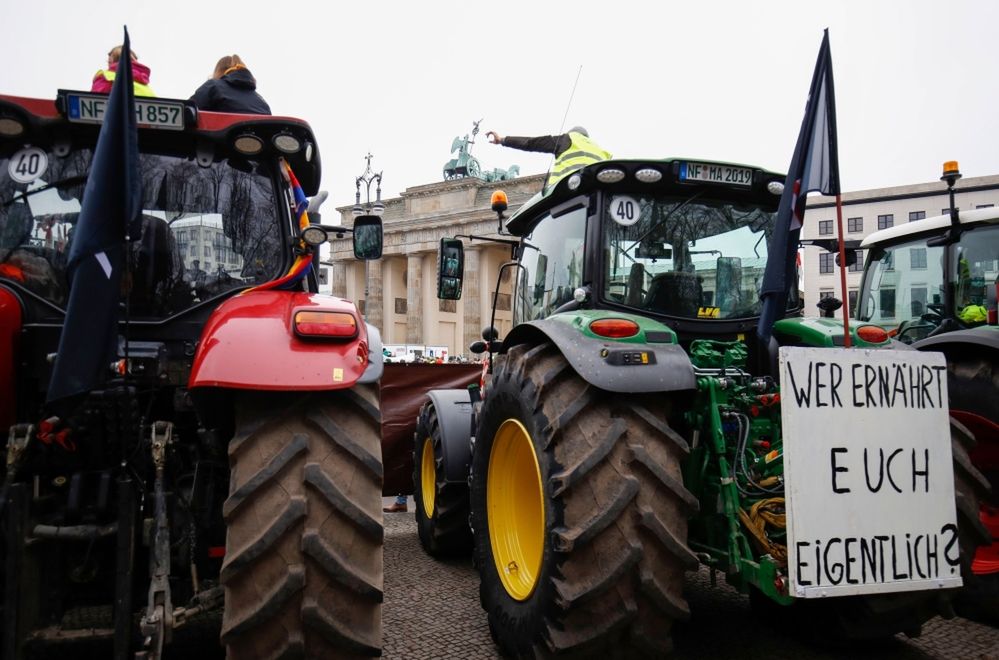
(933, 284)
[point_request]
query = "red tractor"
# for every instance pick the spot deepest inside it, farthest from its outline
(229, 460)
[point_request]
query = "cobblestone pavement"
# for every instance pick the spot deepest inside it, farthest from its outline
(432, 611)
(431, 607)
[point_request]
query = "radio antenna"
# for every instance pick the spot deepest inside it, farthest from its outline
(562, 126)
(569, 104)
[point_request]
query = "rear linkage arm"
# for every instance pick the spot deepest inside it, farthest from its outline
(157, 623)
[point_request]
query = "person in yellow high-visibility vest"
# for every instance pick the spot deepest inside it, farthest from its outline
(104, 78)
(573, 150)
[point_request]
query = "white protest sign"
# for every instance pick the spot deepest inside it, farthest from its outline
(869, 481)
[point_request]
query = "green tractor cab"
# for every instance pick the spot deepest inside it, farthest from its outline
(631, 426)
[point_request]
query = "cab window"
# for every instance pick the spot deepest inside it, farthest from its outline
(552, 265)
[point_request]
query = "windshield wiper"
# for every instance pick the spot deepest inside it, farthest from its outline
(62, 183)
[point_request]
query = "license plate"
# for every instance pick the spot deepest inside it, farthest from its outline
(712, 173)
(149, 113)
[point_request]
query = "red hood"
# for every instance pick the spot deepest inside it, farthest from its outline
(140, 72)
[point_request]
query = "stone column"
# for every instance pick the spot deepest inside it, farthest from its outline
(471, 301)
(373, 305)
(338, 279)
(414, 298)
(389, 294)
(429, 305)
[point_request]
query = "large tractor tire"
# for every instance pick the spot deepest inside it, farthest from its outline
(441, 507)
(878, 617)
(579, 513)
(973, 389)
(303, 566)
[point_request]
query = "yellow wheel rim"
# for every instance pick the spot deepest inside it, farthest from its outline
(428, 477)
(515, 509)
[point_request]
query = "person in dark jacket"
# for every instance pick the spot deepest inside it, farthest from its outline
(573, 150)
(232, 88)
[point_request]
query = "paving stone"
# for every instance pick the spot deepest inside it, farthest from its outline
(432, 611)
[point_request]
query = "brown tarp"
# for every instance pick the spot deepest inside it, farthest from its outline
(404, 390)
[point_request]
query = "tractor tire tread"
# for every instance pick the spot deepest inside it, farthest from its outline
(304, 526)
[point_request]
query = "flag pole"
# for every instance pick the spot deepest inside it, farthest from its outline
(814, 168)
(842, 273)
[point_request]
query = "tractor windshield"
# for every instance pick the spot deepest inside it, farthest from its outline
(904, 284)
(687, 257)
(205, 230)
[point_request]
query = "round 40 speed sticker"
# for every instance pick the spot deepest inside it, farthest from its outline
(27, 164)
(624, 209)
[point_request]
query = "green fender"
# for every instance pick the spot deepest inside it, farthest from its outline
(650, 361)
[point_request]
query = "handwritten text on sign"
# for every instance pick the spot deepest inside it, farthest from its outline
(868, 474)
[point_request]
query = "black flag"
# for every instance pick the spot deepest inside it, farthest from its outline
(109, 218)
(814, 166)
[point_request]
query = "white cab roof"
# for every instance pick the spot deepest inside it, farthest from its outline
(935, 224)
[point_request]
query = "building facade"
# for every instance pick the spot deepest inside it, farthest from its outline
(398, 293)
(865, 212)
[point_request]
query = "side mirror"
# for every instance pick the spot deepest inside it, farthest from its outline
(828, 306)
(450, 269)
(851, 257)
(367, 237)
(653, 250)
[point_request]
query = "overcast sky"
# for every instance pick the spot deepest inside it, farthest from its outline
(917, 83)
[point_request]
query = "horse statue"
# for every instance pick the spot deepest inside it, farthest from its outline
(465, 164)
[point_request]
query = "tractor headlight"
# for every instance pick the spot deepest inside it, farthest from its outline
(314, 235)
(648, 175)
(248, 144)
(610, 175)
(10, 127)
(286, 143)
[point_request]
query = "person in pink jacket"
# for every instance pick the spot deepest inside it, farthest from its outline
(104, 78)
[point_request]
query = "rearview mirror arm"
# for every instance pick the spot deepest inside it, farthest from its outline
(473, 237)
(338, 230)
(502, 241)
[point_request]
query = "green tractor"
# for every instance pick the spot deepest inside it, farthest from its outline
(933, 285)
(631, 427)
